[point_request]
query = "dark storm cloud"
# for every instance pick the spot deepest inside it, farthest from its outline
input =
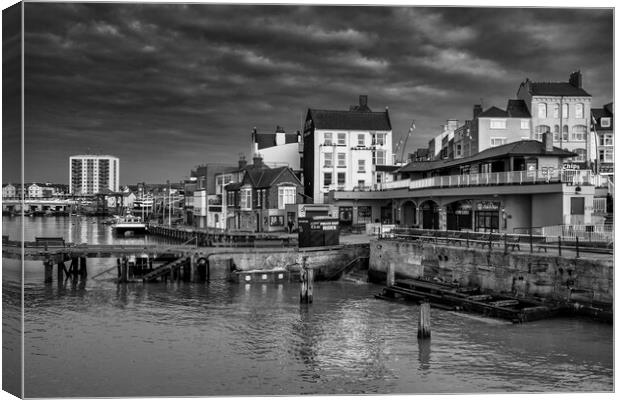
(165, 87)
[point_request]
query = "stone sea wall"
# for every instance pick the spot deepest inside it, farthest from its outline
(519, 273)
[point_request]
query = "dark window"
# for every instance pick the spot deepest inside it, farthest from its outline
(577, 205)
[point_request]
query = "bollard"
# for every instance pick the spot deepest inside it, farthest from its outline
(424, 322)
(559, 245)
(391, 275)
(577, 245)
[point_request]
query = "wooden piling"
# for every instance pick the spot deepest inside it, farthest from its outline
(124, 272)
(391, 275)
(424, 322)
(49, 270)
(531, 242)
(310, 285)
(61, 270)
(559, 245)
(118, 268)
(83, 270)
(305, 276)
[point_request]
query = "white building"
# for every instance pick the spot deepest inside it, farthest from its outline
(438, 146)
(90, 174)
(346, 150)
(35, 190)
(562, 108)
(279, 149)
(8, 191)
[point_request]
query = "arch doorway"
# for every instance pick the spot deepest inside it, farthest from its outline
(430, 215)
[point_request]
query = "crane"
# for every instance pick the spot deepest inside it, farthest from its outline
(402, 143)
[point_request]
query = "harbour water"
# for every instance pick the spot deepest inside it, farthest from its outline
(96, 338)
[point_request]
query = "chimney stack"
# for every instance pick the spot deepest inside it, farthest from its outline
(575, 79)
(363, 100)
(548, 141)
(477, 110)
(242, 162)
(257, 160)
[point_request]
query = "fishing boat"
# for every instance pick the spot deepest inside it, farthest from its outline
(129, 225)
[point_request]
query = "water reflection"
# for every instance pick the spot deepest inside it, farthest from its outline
(424, 353)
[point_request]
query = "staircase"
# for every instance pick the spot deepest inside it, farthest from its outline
(164, 270)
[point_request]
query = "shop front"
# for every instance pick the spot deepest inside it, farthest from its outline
(487, 216)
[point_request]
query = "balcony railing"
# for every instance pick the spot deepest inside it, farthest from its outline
(575, 177)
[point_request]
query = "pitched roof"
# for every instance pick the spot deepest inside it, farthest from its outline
(265, 177)
(520, 148)
(493, 112)
(514, 109)
(350, 120)
(556, 89)
(517, 109)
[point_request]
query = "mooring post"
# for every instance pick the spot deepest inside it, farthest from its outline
(75, 265)
(303, 277)
(150, 264)
(467, 238)
(391, 275)
(310, 285)
(61, 270)
(577, 245)
(83, 271)
(187, 269)
(505, 243)
(124, 276)
(118, 268)
(49, 270)
(559, 245)
(424, 322)
(531, 242)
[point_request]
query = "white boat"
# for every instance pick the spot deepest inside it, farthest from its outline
(129, 224)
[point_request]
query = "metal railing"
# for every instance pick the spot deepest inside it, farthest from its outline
(600, 205)
(508, 242)
(574, 177)
(588, 233)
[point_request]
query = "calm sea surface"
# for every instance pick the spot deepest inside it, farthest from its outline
(96, 338)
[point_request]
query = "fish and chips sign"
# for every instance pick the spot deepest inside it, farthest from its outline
(488, 205)
(318, 231)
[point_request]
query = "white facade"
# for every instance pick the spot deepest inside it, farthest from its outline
(9, 191)
(89, 174)
(35, 190)
(347, 160)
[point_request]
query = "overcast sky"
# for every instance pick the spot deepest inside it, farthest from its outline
(167, 87)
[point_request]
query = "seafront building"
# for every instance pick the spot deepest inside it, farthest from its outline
(507, 188)
(491, 128)
(91, 174)
(562, 108)
(257, 201)
(439, 147)
(346, 150)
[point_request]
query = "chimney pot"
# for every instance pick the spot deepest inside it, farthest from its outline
(477, 110)
(363, 100)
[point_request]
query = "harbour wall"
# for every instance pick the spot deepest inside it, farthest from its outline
(584, 280)
(328, 262)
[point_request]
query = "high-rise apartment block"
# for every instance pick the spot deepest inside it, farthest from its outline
(89, 174)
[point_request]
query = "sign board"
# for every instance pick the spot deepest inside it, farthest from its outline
(319, 231)
(488, 205)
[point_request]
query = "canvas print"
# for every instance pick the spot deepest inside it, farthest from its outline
(263, 200)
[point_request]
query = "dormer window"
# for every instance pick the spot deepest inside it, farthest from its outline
(605, 122)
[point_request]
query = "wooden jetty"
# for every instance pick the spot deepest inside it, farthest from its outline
(470, 299)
